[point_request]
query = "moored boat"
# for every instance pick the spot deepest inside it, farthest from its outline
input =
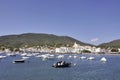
(19, 61)
(61, 64)
(82, 57)
(90, 58)
(103, 59)
(1, 57)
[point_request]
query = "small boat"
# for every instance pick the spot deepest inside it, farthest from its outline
(69, 56)
(103, 59)
(91, 58)
(61, 64)
(11, 54)
(82, 57)
(25, 57)
(60, 56)
(1, 57)
(19, 61)
(74, 57)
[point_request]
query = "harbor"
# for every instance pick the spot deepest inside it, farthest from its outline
(81, 67)
(59, 39)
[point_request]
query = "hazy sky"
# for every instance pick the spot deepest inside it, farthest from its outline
(91, 21)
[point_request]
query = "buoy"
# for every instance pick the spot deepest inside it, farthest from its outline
(74, 64)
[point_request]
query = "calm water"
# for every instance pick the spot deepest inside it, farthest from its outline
(37, 69)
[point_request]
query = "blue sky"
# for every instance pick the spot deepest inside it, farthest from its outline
(91, 21)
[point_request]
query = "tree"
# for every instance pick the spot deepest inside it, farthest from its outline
(86, 51)
(114, 50)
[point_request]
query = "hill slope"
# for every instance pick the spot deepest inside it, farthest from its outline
(114, 44)
(32, 39)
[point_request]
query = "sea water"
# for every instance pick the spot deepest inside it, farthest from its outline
(37, 69)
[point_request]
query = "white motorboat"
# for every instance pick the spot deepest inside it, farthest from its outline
(103, 59)
(25, 57)
(82, 57)
(91, 58)
(2, 56)
(60, 56)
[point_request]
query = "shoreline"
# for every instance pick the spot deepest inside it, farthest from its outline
(116, 53)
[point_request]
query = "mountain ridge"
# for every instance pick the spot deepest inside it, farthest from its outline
(112, 44)
(34, 39)
(42, 39)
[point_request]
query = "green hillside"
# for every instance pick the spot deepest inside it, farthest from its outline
(33, 39)
(112, 44)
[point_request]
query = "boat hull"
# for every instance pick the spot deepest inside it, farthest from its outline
(18, 61)
(61, 66)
